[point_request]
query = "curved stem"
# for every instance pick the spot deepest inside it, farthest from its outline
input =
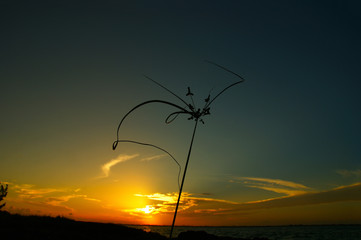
(209, 103)
(155, 146)
(184, 175)
(167, 90)
(172, 117)
(144, 103)
(226, 69)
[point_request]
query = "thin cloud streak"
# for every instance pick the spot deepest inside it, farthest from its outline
(121, 158)
(30, 199)
(190, 205)
(273, 185)
(350, 173)
(200, 199)
(58, 201)
(340, 194)
(156, 157)
(29, 191)
(277, 182)
(164, 203)
(288, 192)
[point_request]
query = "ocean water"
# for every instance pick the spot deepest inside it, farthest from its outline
(319, 232)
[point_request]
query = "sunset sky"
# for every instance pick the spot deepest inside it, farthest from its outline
(283, 147)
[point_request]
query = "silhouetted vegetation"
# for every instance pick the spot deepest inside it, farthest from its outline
(3, 193)
(14, 226)
(42, 227)
(187, 108)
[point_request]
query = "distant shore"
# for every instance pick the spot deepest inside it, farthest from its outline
(14, 226)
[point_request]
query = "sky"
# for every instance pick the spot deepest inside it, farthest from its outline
(282, 147)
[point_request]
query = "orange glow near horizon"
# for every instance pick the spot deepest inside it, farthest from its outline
(122, 205)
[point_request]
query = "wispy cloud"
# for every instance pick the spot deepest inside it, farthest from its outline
(350, 173)
(121, 158)
(214, 200)
(340, 194)
(190, 204)
(164, 203)
(274, 185)
(57, 201)
(277, 182)
(223, 207)
(40, 200)
(169, 198)
(29, 191)
(156, 157)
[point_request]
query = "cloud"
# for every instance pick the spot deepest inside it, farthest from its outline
(339, 194)
(165, 203)
(209, 211)
(204, 199)
(277, 182)
(206, 194)
(162, 203)
(30, 199)
(350, 173)
(274, 185)
(29, 191)
(26, 207)
(223, 207)
(168, 197)
(192, 205)
(153, 157)
(58, 201)
(121, 158)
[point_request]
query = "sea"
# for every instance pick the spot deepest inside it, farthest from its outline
(297, 232)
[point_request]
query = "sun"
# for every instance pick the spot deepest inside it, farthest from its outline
(148, 209)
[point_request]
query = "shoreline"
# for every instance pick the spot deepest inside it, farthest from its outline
(15, 226)
(240, 226)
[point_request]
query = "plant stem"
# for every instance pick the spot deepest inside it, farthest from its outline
(184, 175)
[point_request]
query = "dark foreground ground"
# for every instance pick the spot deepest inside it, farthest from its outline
(36, 227)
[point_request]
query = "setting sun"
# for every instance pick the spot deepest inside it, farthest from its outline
(148, 209)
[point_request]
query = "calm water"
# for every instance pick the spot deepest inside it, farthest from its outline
(331, 232)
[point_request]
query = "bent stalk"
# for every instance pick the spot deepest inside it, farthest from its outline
(191, 110)
(184, 176)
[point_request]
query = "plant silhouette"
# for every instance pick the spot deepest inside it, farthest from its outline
(3, 193)
(193, 113)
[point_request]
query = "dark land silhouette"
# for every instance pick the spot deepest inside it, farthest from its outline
(14, 226)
